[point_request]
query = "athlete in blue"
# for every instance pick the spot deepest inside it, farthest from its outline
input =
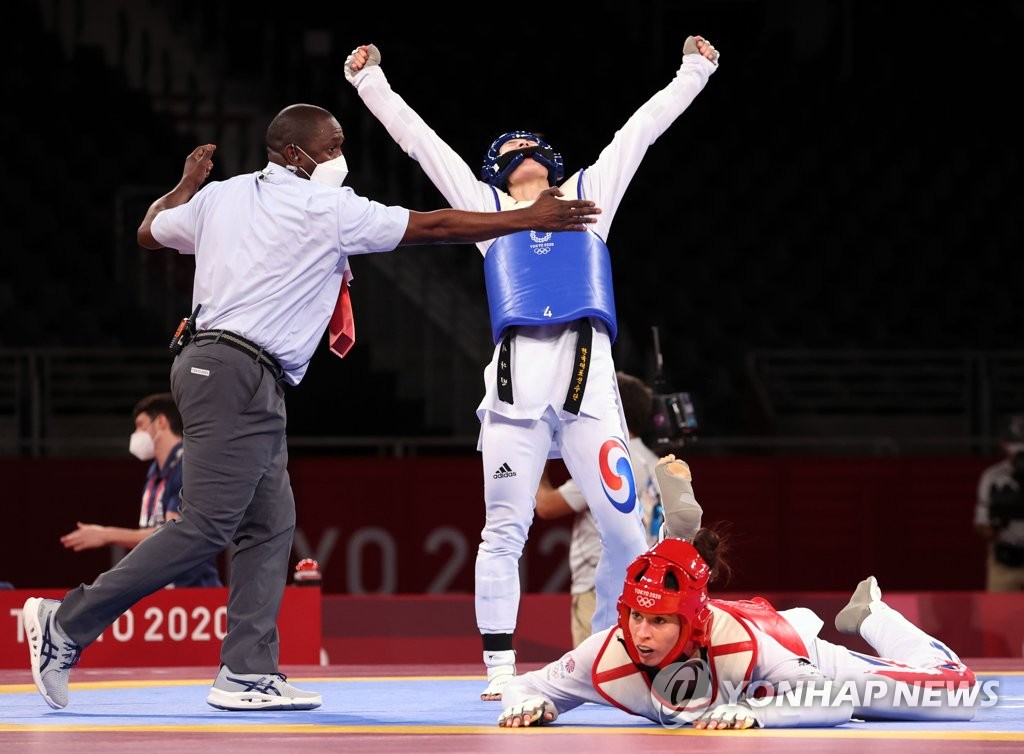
(550, 386)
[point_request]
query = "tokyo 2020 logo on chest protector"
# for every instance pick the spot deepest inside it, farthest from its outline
(617, 475)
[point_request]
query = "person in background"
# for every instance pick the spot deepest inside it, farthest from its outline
(271, 253)
(549, 390)
(157, 438)
(585, 543)
(999, 511)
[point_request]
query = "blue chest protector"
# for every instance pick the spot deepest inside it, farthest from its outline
(536, 278)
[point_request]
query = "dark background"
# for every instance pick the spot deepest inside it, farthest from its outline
(850, 177)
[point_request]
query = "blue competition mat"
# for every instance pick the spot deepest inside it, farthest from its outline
(383, 705)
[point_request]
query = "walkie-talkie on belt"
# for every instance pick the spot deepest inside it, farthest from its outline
(185, 331)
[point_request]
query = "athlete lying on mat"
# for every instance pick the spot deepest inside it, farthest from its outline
(678, 657)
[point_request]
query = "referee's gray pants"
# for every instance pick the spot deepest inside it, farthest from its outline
(236, 489)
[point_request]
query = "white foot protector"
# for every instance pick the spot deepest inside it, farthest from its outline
(497, 679)
(682, 511)
(866, 599)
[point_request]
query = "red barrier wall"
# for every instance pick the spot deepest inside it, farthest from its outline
(171, 627)
(417, 630)
(381, 525)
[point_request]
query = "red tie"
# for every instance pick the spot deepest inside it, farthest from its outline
(342, 327)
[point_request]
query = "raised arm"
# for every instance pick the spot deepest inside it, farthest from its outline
(607, 179)
(456, 181)
(197, 168)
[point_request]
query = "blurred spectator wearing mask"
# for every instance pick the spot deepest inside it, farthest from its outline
(157, 440)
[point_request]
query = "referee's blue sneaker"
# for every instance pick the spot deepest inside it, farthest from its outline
(51, 652)
(255, 691)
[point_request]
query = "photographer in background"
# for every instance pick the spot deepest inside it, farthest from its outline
(999, 515)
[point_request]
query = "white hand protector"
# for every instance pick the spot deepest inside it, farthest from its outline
(715, 54)
(690, 48)
(738, 716)
(372, 58)
(534, 711)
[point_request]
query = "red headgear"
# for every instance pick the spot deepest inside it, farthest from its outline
(648, 590)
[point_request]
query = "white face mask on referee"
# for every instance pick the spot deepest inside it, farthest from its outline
(329, 173)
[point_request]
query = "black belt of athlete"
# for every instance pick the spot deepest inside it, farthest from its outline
(505, 369)
(245, 346)
(580, 367)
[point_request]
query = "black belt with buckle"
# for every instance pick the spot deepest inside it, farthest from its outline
(245, 346)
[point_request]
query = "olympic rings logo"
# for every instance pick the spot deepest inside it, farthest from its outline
(645, 601)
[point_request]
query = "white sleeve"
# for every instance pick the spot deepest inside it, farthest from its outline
(446, 170)
(567, 682)
(783, 672)
(175, 227)
(606, 180)
(571, 492)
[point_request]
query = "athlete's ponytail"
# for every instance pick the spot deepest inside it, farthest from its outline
(712, 548)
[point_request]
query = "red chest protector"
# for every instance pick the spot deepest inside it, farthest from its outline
(759, 613)
(732, 653)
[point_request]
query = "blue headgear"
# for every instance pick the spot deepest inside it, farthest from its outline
(496, 168)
